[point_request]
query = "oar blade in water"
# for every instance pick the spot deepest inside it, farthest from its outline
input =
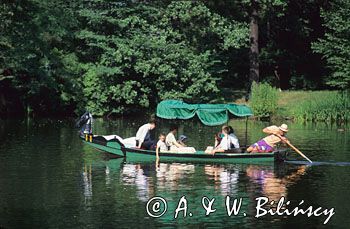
(315, 163)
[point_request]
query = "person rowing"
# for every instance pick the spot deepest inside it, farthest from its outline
(268, 144)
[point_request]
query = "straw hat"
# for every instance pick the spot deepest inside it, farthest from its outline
(284, 127)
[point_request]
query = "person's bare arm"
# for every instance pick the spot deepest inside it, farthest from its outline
(218, 151)
(284, 139)
(157, 152)
(177, 144)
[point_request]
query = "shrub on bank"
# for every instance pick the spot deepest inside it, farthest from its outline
(263, 100)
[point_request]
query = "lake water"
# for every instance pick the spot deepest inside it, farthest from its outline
(49, 178)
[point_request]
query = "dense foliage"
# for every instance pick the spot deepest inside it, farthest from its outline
(335, 45)
(138, 54)
(118, 56)
(37, 56)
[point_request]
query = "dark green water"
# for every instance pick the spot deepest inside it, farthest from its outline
(49, 178)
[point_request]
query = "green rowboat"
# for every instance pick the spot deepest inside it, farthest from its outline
(208, 114)
(116, 148)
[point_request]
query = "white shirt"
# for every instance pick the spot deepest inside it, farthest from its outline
(143, 132)
(162, 146)
(170, 139)
(234, 140)
(227, 141)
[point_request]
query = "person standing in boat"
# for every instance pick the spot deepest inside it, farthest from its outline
(143, 135)
(85, 123)
(268, 144)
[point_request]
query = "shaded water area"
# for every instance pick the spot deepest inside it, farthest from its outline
(49, 178)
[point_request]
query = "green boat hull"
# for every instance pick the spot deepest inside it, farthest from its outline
(138, 155)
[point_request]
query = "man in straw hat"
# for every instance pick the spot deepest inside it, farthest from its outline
(267, 144)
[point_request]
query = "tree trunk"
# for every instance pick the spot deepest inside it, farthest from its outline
(254, 48)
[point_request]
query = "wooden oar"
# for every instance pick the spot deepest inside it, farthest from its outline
(298, 151)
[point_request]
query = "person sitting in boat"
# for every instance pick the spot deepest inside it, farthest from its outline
(170, 139)
(268, 144)
(227, 142)
(143, 136)
(218, 137)
(161, 146)
(234, 140)
(182, 139)
(175, 146)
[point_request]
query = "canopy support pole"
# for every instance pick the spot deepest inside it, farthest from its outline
(246, 131)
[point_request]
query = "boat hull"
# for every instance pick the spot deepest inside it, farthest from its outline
(133, 154)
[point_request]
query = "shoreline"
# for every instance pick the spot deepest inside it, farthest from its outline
(295, 106)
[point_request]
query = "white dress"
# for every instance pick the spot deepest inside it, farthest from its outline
(170, 141)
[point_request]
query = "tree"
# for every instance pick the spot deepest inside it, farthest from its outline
(286, 35)
(257, 9)
(126, 55)
(254, 46)
(335, 46)
(136, 54)
(37, 49)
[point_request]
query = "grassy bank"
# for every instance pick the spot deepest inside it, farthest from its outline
(329, 106)
(314, 105)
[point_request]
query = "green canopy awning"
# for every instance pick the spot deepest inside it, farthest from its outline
(209, 114)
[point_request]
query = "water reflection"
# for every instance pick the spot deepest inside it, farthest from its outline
(108, 177)
(168, 176)
(225, 180)
(135, 175)
(150, 179)
(137, 183)
(87, 181)
(272, 185)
